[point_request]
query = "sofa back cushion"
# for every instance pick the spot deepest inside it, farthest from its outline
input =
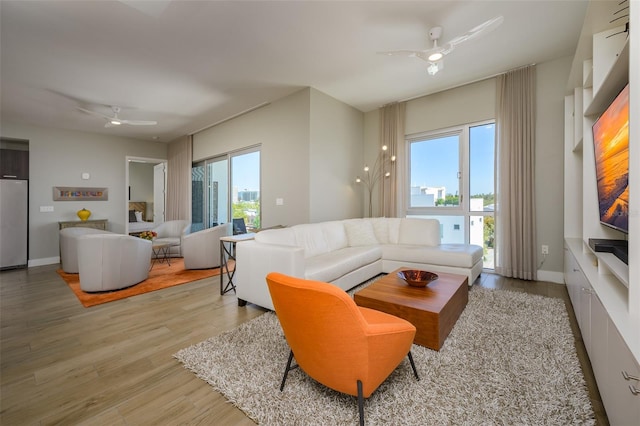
(386, 229)
(419, 232)
(360, 232)
(320, 238)
(281, 236)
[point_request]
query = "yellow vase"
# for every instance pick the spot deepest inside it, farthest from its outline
(84, 214)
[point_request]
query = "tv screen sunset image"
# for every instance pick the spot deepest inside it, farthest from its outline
(611, 149)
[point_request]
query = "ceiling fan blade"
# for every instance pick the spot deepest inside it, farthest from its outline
(139, 122)
(97, 114)
(477, 31)
(408, 53)
(434, 55)
(422, 54)
(114, 121)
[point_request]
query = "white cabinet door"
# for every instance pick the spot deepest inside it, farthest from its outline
(585, 309)
(570, 276)
(598, 354)
(622, 406)
(580, 292)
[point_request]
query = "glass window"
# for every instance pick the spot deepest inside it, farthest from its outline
(245, 181)
(448, 167)
(434, 172)
(197, 197)
(481, 167)
(218, 191)
(225, 188)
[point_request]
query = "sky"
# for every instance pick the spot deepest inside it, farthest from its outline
(246, 171)
(436, 163)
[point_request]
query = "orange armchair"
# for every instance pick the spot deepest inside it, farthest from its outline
(345, 347)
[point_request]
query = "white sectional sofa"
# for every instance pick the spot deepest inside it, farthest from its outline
(347, 253)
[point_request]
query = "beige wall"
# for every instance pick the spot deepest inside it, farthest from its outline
(551, 81)
(141, 181)
(282, 131)
(307, 141)
(58, 158)
(335, 157)
(466, 104)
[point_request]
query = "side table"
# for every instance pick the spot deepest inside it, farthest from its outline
(97, 224)
(227, 253)
(160, 253)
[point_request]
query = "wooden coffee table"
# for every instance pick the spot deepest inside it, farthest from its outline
(433, 310)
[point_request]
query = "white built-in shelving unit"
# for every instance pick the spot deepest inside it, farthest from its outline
(604, 291)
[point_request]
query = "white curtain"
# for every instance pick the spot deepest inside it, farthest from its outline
(515, 210)
(392, 118)
(179, 179)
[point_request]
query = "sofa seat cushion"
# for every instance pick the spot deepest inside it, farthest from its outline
(458, 255)
(331, 266)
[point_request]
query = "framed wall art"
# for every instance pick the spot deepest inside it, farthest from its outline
(72, 193)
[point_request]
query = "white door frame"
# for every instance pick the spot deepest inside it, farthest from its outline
(129, 159)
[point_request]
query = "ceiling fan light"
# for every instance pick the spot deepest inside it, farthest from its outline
(115, 122)
(433, 68)
(435, 56)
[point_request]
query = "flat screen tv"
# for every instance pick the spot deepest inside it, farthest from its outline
(611, 151)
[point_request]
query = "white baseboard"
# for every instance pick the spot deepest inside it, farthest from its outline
(43, 261)
(551, 276)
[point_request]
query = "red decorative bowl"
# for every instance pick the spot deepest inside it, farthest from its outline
(417, 278)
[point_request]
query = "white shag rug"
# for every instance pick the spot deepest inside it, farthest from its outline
(509, 360)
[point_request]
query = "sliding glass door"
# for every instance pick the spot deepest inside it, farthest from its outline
(209, 193)
(225, 188)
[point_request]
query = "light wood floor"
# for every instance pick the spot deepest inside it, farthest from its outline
(61, 363)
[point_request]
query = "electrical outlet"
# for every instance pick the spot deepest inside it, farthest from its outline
(545, 249)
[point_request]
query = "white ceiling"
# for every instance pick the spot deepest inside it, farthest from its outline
(190, 64)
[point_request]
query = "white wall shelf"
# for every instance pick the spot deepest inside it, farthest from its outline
(577, 108)
(614, 82)
(587, 73)
(610, 264)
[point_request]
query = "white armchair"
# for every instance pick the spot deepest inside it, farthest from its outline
(201, 250)
(172, 232)
(112, 261)
(69, 246)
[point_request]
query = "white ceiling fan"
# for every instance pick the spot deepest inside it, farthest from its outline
(114, 120)
(435, 54)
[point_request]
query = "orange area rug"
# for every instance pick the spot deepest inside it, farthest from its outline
(161, 276)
